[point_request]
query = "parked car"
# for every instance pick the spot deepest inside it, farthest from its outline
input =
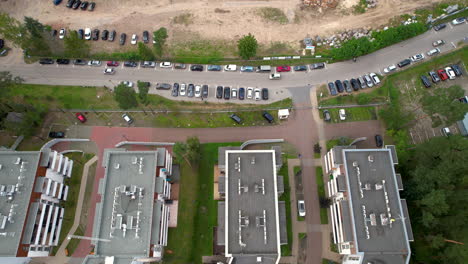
(250, 93)
(70, 3)
(463, 100)
(175, 89)
(94, 63)
(77, 4)
(91, 6)
(148, 64)
(435, 78)
(355, 84)
(127, 118)
(131, 64)
(257, 94)
(57, 2)
(87, 33)
(425, 81)
(205, 91)
(439, 27)
(128, 84)
(269, 118)
(404, 63)
(183, 89)
(326, 115)
(62, 33)
(190, 90)
(236, 118)
(214, 68)
(112, 63)
(347, 86)
(301, 208)
(275, 76)
(446, 131)
(219, 92)
(417, 57)
(456, 69)
(227, 93)
(437, 43)
(433, 52)
(134, 39)
(375, 78)
(95, 35)
(458, 21)
(180, 66)
(56, 134)
(342, 114)
(331, 87)
(263, 68)
(241, 93)
(163, 86)
(265, 93)
(247, 69)
(46, 61)
(378, 141)
(233, 93)
(80, 117)
(450, 73)
(109, 71)
(339, 86)
(283, 69)
(317, 66)
(442, 74)
(145, 37)
(80, 62)
(197, 91)
(123, 37)
(165, 64)
(84, 5)
(63, 61)
(80, 33)
(112, 35)
(105, 34)
(230, 67)
(390, 68)
(300, 68)
(196, 67)
(362, 82)
(368, 81)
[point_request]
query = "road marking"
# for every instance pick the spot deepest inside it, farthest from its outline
(56, 65)
(450, 25)
(122, 66)
(453, 44)
(139, 66)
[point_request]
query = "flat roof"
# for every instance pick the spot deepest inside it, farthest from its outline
(17, 167)
(260, 236)
(379, 238)
(119, 206)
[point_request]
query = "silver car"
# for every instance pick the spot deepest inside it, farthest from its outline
(368, 81)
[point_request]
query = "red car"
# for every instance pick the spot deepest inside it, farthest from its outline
(80, 117)
(283, 69)
(112, 63)
(442, 74)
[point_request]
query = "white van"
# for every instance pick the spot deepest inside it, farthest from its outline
(275, 76)
(264, 68)
(87, 34)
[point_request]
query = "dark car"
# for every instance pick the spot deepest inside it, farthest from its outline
(163, 86)
(355, 84)
(145, 36)
(130, 64)
(268, 117)
(425, 81)
(339, 86)
(57, 2)
(76, 4)
(95, 34)
(439, 27)
(435, 78)
(241, 93)
(91, 6)
(331, 87)
(175, 90)
(317, 66)
(219, 92)
(112, 35)
(227, 93)
(196, 67)
(236, 118)
(2, 43)
(70, 3)
(80, 33)
(84, 5)
(456, 69)
(347, 86)
(404, 63)
(105, 34)
(326, 115)
(378, 141)
(56, 134)
(265, 93)
(300, 68)
(191, 90)
(80, 62)
(123, 37)
(205, 91)
(46, 61)
(54, 33)
(63, 61)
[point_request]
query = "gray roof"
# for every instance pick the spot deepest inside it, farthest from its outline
(278, 156)
(280, 184)
(10, 175)
(338, 154)
(283, 223)
(463, 125)
(222, 184)
(127, 174)
(222, 155)
(341, 183)
(346, 214)
(399, 182)
(161, 157)
(409, 230)
(255, 166)
(14, 117)
(381, 239)
(220, 230)
(393, 152)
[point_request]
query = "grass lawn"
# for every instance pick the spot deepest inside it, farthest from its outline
(193, 237)
(352, 114)
(286, 250)
(317, 155)
(321, 193)
(302, 235)
(297, 169)
(74, 242)
(327, 261)
(338, 141)
(73, 183)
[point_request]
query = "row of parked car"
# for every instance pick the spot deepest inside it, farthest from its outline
(75, 4)
(106, 35)
(368, 80)
(447, 73)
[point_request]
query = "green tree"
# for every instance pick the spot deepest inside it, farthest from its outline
(32, 118)
(125, 96)
(188, 151)
(247, 46)
(11, 29)
(144, 52)
(363, 98)
(143, 89)
(76, 47)
(352, 48)
(395, 118)
(443, 103)
(33, 39)
(159, 37)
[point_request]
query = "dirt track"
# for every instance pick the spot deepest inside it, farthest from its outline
(134, 16)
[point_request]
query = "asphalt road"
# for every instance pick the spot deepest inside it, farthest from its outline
(375, 62)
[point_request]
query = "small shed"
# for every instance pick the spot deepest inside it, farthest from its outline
(283, 114)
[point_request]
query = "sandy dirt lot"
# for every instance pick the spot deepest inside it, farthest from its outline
(212, 19)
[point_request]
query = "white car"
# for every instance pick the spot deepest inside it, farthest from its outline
(230, 67)
(342, 113)
(94, 63)
(458, 21)
(275, 76)
(249, 93)
(417, 57)
(374, 78)
(128, 83)
(134, 39)
(62, 33)
(450, 73)
(438, 43)
(257, 95)
(433, 52)
(87, 33)
(301, 208)
(109, 71)
(165, 64)
(390, 68)
(197, 90)
(234, 93)
(127, 118)
(183, 89)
